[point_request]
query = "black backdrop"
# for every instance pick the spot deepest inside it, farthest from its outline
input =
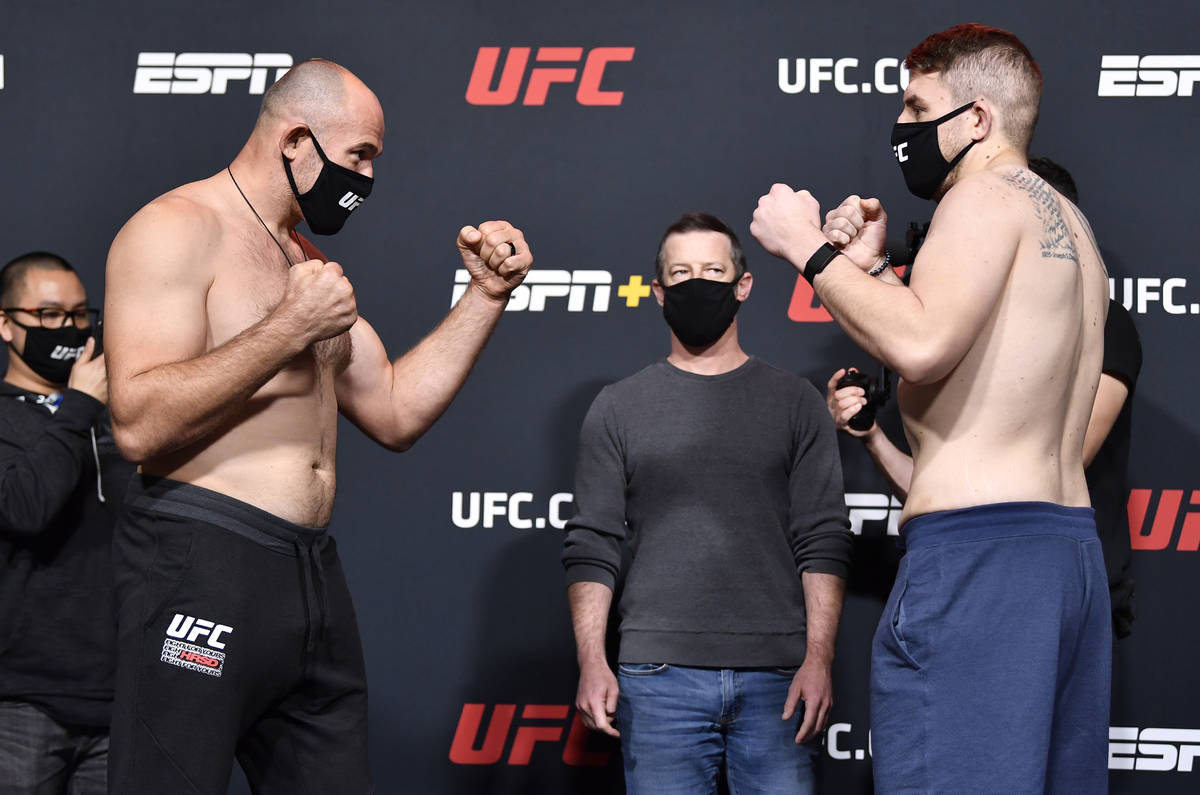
(464, 621)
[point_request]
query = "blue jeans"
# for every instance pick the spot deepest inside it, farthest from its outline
(678, 724)
(39, 756)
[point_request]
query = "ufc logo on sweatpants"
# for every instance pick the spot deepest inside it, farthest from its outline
(192, 657)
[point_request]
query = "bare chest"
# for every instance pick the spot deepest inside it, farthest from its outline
(251, 277)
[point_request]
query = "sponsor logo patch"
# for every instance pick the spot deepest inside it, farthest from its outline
(194, 658)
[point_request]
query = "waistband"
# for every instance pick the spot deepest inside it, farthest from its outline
(998, 520)
(186, 501)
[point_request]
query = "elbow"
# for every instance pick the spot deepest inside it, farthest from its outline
(399, 442)
(133, 442)
(922, 364)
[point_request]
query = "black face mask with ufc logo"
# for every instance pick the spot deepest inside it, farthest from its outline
(52, 352)
(337, 192)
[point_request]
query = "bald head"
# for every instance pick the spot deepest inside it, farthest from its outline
(314, 91)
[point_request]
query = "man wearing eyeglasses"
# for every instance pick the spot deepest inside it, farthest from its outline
(60, 480)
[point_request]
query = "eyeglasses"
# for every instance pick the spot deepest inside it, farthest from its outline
(56, 317)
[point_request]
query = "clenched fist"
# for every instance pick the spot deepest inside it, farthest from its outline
(496, 255)
(858, 228)
(319, 299)
(90, 375)
(788, 224)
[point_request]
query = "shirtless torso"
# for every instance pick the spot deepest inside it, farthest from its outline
(1007, 422)
(276, 449)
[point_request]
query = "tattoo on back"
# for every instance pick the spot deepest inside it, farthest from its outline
(1057, 241)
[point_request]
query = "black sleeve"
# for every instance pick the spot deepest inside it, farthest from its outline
(1122, 347)
(36, 480)
(820, 528)
(592, 548)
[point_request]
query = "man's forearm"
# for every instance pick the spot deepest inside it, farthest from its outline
(882, 316)
(590, 603)
(895, 465)
(823, 595)
(173, 405)
(426, 379)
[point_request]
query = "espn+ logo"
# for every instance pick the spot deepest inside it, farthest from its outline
(584, 290)
(480, 90)
(206, 72)
(1148, 75)
(807, 75)
(539, 723)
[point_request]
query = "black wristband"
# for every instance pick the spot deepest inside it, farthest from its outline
(817, 262)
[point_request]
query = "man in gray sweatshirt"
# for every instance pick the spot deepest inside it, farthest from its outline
(722, 474)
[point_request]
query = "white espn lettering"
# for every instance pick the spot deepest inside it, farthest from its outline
(1, 72)
(867, 507)
(483, 509)
(1148, 76)
(1153, 749)
(205, 72)
(795, 74)
(540, 285)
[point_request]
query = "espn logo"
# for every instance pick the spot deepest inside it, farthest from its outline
(540, 286)
(1165, 750)
(1148, 76)
(205, 72)
(1161, 532)
(549, 727)
(483, 75)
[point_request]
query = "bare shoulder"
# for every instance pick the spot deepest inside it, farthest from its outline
(179, 229)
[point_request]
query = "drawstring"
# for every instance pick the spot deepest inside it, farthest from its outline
(96, 455)
(316, 607)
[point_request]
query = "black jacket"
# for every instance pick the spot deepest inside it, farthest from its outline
(57, 621)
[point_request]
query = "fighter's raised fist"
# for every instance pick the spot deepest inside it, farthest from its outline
(788, 224)
(496, 255)
(858, 227)
(319, 299)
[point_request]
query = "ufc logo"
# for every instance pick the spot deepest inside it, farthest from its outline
(480, 91)
(186, 627)
(900, 150)
(63, 352)
(552, 719)
(351, 200)
(205, 72)
(804, 306)
(1161, 530)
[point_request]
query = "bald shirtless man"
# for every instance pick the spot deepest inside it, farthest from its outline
(232, 345)
(990, 667)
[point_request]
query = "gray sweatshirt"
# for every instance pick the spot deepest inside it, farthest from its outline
(726, 488)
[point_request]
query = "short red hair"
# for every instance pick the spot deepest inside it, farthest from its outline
(978, 60)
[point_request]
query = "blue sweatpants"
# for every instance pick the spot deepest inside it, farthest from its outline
(990, 667)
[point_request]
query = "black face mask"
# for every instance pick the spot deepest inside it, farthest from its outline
(51, 352)
(915, 146)
(337, 192)
(700, 310)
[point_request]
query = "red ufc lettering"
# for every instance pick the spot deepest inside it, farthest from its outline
(526, 737)
(805, 308)
(463, 750)
(480, 91)
(1164, 518)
